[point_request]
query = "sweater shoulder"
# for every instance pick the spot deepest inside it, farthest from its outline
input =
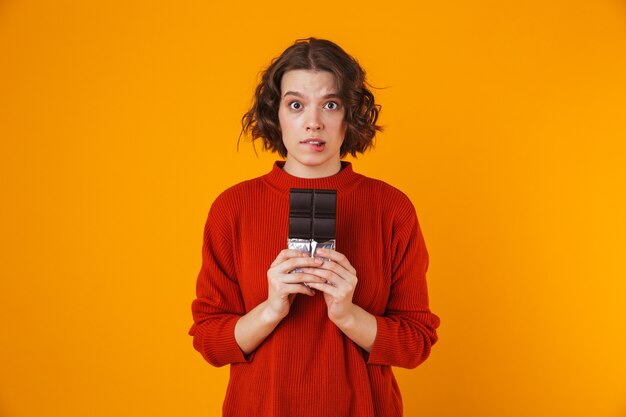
(388, 194)
(230, 202)
(235, 193)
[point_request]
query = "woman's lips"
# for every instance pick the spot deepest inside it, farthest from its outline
(314, 144)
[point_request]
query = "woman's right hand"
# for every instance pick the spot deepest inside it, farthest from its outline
(253, 327)
(284, 280)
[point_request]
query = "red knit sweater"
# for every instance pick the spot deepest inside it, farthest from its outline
(307, 367)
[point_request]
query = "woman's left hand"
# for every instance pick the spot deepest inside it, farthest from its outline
(340, 284)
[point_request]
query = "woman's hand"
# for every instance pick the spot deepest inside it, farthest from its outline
(285, 278)
(287, 274)
(282, 286)
(338, 284)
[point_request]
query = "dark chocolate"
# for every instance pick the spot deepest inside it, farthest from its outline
(312, 214)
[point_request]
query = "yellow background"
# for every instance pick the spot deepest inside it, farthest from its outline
(505, 124)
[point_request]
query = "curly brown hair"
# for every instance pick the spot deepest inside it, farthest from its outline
(261, 121)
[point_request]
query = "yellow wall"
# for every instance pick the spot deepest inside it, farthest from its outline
(506, 124)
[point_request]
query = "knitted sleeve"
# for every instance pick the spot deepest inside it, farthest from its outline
(407, 330)
(219, 303)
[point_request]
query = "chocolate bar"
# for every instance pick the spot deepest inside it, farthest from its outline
(312, 219)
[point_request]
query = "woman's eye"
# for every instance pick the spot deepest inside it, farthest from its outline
(331, 105)
(295, 105)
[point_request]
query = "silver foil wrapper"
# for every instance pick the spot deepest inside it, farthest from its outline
(309, 246)
(303, 245)
(327, 244)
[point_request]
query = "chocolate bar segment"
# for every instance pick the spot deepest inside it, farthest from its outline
(300, 227)
(323, 229)
(324, 203)
(300, 202)
(300, 219)
(324, 214)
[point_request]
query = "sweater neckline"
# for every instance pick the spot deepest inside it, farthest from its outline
(282, 181)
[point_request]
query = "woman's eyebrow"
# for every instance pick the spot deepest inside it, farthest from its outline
(297, 94)
(292, 93)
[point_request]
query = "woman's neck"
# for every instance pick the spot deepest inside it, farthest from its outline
(312, 171)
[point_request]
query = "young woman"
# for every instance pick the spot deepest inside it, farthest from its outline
(313, 336)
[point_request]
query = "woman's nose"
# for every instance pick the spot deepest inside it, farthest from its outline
(314, 121)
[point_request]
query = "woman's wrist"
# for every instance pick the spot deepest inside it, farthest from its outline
(346, 320)
(269, 315)
(359, 325)
(252, 328)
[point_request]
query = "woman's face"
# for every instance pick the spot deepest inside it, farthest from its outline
(311, 118)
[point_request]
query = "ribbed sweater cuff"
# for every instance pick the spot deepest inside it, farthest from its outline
(225, 347)
(383, 344)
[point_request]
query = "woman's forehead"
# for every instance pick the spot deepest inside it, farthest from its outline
(308, 82)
